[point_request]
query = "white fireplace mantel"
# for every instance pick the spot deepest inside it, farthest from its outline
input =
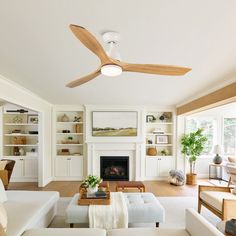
(133, 150)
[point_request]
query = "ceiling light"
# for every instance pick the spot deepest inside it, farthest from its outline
(111, 70)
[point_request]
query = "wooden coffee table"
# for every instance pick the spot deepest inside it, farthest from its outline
(122, 185)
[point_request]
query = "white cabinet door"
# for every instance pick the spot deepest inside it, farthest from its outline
(18, 168)
(30, 168)
(76, 167)
(151, 166)
(165, 165)
(61, 167)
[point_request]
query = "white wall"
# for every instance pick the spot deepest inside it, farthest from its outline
(16, 94)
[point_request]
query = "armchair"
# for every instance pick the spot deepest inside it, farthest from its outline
(220, 200)
(5, 174)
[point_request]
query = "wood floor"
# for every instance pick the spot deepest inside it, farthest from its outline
(69, 188)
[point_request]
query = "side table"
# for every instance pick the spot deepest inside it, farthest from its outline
(220, 166)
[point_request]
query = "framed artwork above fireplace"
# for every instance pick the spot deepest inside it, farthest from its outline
(114, 123)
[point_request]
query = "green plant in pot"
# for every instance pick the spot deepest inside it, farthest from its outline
(192, 147)
(91, 182)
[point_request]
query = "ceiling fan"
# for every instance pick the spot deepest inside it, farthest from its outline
(110, 61)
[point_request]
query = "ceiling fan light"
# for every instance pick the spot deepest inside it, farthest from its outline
(111, 70)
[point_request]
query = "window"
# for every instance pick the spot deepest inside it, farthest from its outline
(230, 136)
(209, 126)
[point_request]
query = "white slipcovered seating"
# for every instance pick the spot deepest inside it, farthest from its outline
(27, 209)
(195, 225)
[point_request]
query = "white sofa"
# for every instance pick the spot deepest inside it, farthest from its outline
(196, 225)
(27, 209)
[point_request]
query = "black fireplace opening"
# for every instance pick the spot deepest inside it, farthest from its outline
(114, 168)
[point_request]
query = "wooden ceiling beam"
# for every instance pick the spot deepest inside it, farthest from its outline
(217, 98)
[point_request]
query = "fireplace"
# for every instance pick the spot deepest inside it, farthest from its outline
(114, 167)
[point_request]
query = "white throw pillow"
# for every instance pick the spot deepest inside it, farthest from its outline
(3, 195)
(3, 217)
(3, 165)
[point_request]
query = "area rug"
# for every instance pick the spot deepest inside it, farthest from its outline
(174, 213)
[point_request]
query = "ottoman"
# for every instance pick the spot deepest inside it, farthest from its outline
(142, 208)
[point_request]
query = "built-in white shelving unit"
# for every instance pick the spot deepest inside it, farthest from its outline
(20, 141)
(69, 143)
(159, 136)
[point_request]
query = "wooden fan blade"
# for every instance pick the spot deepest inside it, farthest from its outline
(90, 42)
(154, 69)
(84, 79)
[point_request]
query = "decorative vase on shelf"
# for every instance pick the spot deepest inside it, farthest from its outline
(217, 159)
(64, 118)
(91, 190)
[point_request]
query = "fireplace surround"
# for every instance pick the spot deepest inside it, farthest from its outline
(114, 168)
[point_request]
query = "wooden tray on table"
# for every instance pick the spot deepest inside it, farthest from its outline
(85, 200)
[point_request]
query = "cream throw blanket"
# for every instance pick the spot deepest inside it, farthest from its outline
(111, 216)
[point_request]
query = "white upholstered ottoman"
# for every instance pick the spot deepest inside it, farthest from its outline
(142, 208)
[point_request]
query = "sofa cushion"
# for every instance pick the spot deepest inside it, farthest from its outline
(147, 232)
(25, 209)
(3, 217)
(3, 196)
(215, 198)
(65, 232)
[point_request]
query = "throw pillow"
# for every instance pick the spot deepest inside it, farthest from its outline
(3, 165)
(3, 195)
(3, 217)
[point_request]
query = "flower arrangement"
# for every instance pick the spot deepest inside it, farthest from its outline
(92, 181)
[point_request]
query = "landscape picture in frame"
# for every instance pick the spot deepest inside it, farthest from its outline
(114, 123)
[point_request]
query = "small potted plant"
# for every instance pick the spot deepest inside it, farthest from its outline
(91, 182)
(192, 147)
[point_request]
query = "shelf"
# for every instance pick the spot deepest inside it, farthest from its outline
(70, 133)
(21, 124)
(69, 144)
(20, 145)
(10, 156)
(25, 135)
(159, 156)
(159, 123)
(60, 156)
(160, 145)
(70, 122)
(151, 134)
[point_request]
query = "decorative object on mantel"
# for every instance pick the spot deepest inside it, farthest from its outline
(77, 119)
(64, 118)
(176, 177)
(164, 152)
(17, 119)
(91, 182)
(65, 131)
(22, 151)
(192, 147)
(150, 118)
(158, 131)
(217, 150)
(152, 151)
(64, 152)
(77, 128)
(162, 139)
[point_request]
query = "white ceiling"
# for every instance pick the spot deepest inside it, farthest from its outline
(38, 51)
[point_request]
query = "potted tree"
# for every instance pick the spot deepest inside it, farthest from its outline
(192, 147)
(91, 182)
